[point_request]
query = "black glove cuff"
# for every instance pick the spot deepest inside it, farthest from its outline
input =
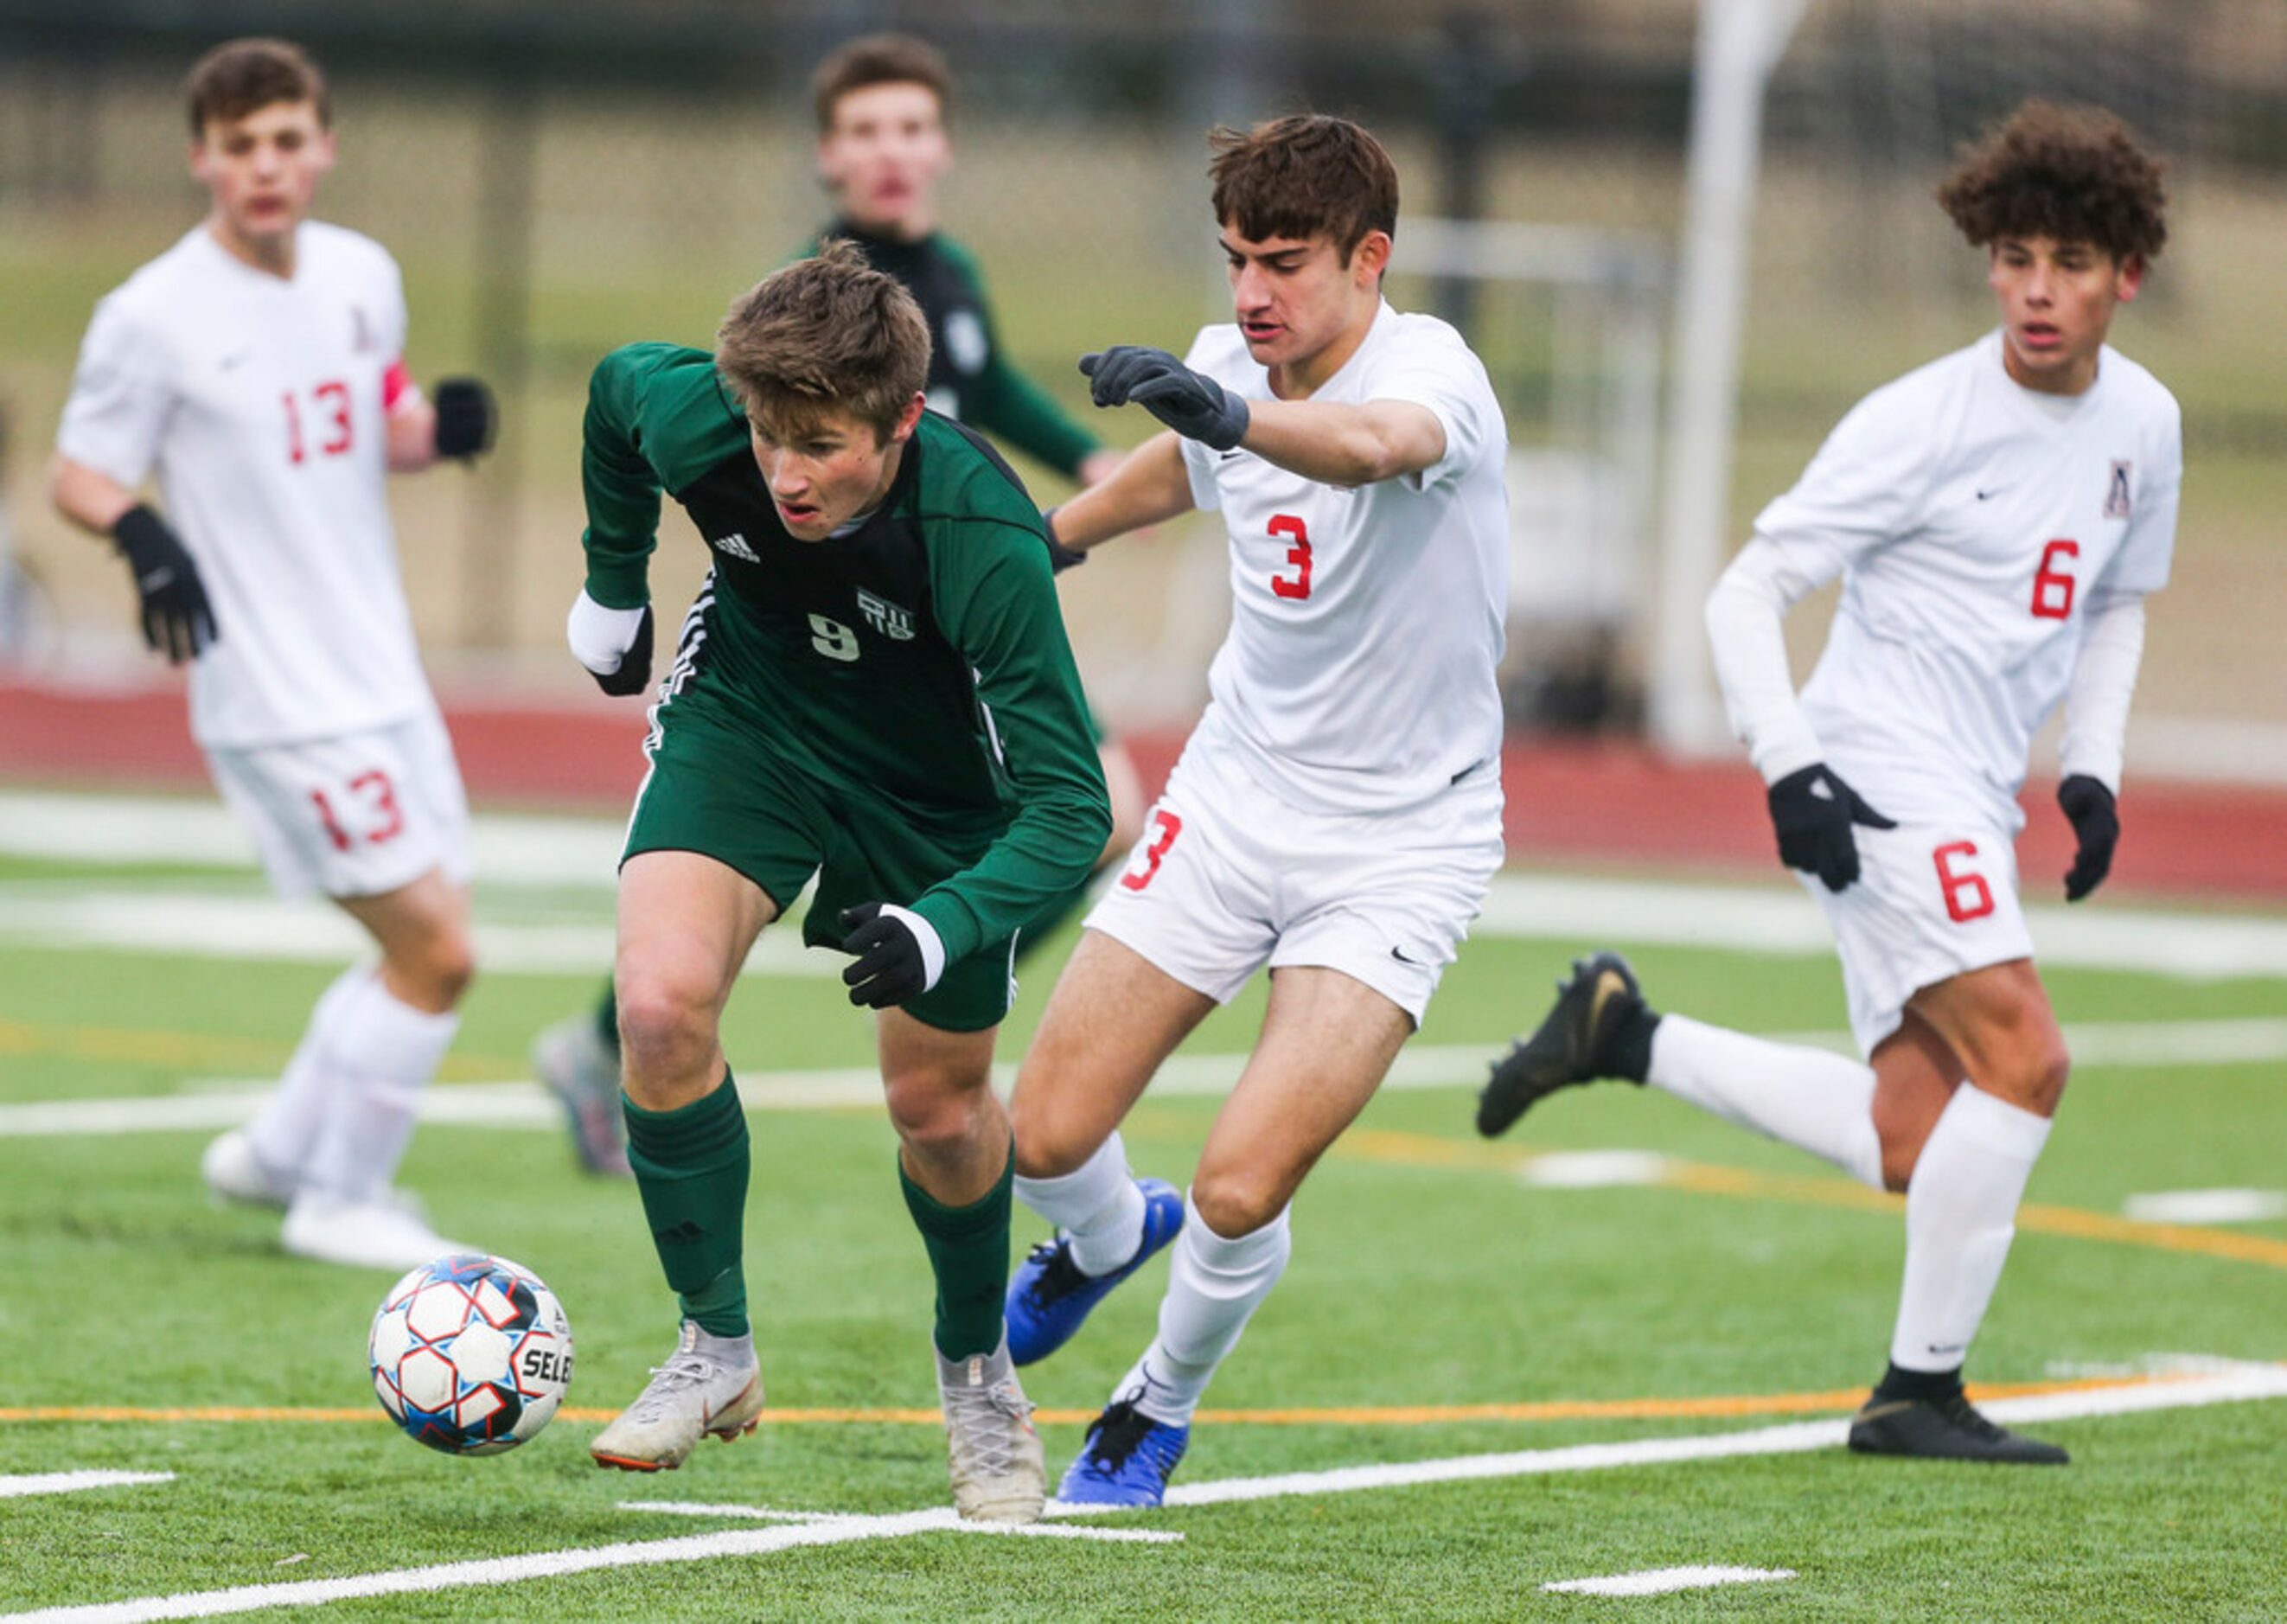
(1061, 557)
(467, 416)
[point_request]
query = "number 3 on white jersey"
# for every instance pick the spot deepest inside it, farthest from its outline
(1287, 527)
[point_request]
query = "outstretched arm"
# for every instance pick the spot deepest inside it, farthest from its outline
(1148, 487)
(1349, 445)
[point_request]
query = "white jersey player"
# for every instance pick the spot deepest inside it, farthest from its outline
(1996, 518)
(1337, 814)
(256, 369)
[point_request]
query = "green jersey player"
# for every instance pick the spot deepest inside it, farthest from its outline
(883, 146)
(873, 687)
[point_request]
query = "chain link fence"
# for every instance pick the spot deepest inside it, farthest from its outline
(556, 180)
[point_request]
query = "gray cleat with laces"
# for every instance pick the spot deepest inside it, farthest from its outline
(709, 1385)
(998, 1473)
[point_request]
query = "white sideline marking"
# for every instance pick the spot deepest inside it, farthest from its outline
(1660, 1580)
(2234, 1382)
(582, 852)
(554, 1564)
(2206, 1205)
(691, 1508)
(70, 1483)
(227, 1102)
(196, 831)
(1595, 1169)
(252, 925)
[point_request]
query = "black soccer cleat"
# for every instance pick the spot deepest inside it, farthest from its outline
(1576, 1043)
(1948, 1429)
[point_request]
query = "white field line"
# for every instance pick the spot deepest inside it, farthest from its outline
(2206, 1206)
(2237, 1383)
(1664, 1580)
(2233, 1383)
(221, 1102)
(496, 1571)
(71, 1483)
(1773, 917)
(198, 831)
(249, 925)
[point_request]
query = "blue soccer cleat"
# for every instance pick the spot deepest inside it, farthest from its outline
(1127, 1461)
(1050, 1296)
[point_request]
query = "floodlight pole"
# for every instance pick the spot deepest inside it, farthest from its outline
(1740, 43)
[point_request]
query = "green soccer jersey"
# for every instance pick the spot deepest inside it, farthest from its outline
(970, 375)
(920, 660)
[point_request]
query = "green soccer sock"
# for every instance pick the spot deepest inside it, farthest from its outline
(692, 1166)
(969, 1254)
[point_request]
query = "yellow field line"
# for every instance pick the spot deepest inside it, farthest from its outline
(1709, 1178)
(1340, 1415)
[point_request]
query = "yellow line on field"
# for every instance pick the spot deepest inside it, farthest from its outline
(1709, 1178)
(1344, 1416)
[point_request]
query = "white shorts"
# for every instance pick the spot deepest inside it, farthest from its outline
(353, 816)
(1930, 902)
(1227, 878)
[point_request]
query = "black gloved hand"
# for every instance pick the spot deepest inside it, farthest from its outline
(614, 644)
(1191, 403)
(1061, 557)
(892, 965)
(467, 416)
(178, 621)
(1813, 811)
(2095, 818)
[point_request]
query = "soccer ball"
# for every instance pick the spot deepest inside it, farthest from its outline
(470, 1354)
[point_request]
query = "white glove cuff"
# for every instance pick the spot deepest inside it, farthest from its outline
(600, 637)
(925, 934)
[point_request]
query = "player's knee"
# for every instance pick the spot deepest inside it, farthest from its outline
(435, 966)
(1049, 1145)
(2042, 1084)
(1237, 1201)
(931, 1113)
(666, 1029)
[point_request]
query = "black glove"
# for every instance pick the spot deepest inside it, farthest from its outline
(178, 621)
(634, 674)
(2095, 816)
(466, 416)
(1061, 557)
(1192, 404)
(1813, 811)
(891, 966)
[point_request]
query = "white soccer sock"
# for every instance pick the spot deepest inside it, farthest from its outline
(1214, 1287)
(1961, 1211)
(387, 1052)
(1808, 1097)
(1097, 1205)
(284, 1132)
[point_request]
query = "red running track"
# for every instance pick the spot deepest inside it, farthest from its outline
(1605, 803)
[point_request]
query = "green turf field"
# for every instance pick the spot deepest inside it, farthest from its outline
(1745, 1281)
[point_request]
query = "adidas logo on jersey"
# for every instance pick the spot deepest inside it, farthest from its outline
(735, 544)
(886, 618)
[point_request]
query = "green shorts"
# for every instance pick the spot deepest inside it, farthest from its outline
(721, 787)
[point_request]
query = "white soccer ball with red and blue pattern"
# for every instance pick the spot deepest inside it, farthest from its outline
(470, 1354)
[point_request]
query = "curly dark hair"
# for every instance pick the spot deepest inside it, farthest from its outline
(2075, 174)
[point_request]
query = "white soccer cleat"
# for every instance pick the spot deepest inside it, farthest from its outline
(235, 1172)
(999, 1475)
(709, 1385)
(381, 1233)
(578, 1067)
